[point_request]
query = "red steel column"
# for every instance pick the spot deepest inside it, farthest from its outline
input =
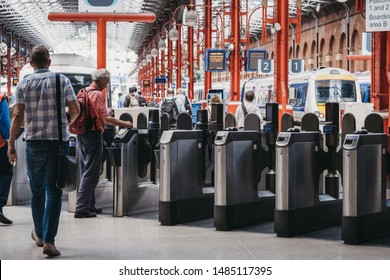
(235, 67)
(190, 44)
(281, 60)
(9, 70)
(17, 58)
(170, 64)
(207, 43)
(162, 61)
(178, 59)
(153, 74)
(101, 19)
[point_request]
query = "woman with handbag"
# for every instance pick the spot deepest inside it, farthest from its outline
(35, 103)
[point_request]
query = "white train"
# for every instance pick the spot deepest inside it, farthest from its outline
(76, 67)
(309, 91)
(364, 79)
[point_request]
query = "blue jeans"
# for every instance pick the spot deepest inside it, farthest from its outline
(46, 199)
(6, 171)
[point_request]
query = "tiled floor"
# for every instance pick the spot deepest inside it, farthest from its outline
(141, 237)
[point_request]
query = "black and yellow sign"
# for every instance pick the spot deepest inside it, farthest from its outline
(15, 82)
(145, 83)
(215, 60)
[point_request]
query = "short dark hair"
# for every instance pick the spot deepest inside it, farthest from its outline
(249, 95)
(40, 56)
(132, 89)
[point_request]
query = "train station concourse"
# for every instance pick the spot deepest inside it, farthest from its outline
(241, 137)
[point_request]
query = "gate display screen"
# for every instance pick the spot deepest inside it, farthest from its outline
(252, 62)
(215, 60)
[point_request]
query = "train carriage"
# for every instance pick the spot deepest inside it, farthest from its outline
(308, 92)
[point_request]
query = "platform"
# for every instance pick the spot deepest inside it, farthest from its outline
(141, 237)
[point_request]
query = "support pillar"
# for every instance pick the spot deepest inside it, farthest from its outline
(207, 43)
(235, 66)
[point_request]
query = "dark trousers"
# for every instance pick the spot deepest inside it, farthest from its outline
(90, 152)
(6, 172)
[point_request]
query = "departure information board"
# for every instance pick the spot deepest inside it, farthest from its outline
(215, 60)
(253, 56)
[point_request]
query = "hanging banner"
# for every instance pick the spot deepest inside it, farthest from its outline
(101, 6)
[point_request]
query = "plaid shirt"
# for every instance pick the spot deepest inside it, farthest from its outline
(38, 93)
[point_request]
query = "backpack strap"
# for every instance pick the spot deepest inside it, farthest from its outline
(58, 98)
(244, 109)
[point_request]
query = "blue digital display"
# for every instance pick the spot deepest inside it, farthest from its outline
(160, 80)
(253, 56)
(215, 60)
(329, 128)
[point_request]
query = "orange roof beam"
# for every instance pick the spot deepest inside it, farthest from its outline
(102, 19)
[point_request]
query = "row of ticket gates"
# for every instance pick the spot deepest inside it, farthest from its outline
(302, 179)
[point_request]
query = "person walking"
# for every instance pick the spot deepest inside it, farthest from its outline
(248, 106)
(35, 103)
(90, 146)
(6, 170)
(131, 100)
(184, 100)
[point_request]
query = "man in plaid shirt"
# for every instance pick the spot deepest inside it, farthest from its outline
(35, 103)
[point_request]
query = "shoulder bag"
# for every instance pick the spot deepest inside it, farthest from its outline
(67, 167)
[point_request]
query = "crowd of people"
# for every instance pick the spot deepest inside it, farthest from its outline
(35, 110)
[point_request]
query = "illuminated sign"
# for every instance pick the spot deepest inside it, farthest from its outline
(145, 83)
(296, 66)
(215, 60)
(266, 66)
(160, 80)
(252, 62)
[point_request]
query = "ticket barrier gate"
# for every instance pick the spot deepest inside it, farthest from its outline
(130, 155)
(300, 161)
(182, 194)
(366, 212)
(241, 198)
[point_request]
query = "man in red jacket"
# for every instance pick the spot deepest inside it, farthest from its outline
(90, 146)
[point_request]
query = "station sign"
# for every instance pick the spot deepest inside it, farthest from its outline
(253, 56)
(215, 60)
(377, 15)
(266, 66)
(160, 80)
(296, 66)
(102, 6)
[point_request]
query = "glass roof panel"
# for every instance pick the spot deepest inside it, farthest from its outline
(28, 19)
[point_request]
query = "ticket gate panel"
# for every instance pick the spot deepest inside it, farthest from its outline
(241, 154)
(181, 173)
(186, 175)
(298, 207)
(366, 215)
(295, 184)
(237, 174)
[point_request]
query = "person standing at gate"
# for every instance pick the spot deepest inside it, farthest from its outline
(90, 146)
(248, 106)
(35, 103)
(131, 100)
